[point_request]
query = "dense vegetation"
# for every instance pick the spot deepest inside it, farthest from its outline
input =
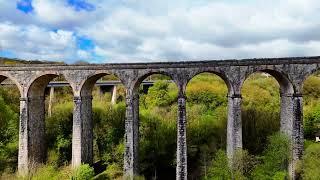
(265, 155)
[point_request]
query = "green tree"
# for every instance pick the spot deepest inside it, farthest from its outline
(275, 158)
(311, 162)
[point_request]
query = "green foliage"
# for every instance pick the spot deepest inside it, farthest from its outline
(108, 131)
(114, 171)
(58, 133)
(83, 172)
(275, 158)
(312, 121)
(9, 125)
(241, 168)
(161, 94)
(311, 89)
(220, 167)
(260, 111)
(45, 173)
(311, 162)
(157, 143)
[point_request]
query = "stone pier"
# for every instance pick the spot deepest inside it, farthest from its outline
(234, 125)
(131, 154)
(82, 131)
(182, 171)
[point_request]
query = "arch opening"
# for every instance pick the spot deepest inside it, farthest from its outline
(311, 124)
(59, 107)
(260, 109)
(50, 101)
(311, 107)
(108, 110)
(207, 121)
(9, 124)
(158, 115)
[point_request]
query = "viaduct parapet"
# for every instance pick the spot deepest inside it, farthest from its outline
(32, 80)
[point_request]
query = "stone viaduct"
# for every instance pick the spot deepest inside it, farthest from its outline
(32, 80)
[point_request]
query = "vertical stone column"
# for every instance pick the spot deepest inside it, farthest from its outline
(131, 156)
(51, 100)
(291, 125)
(82, 131)
(23, 138)
(182, 173)
(32, 148)
(114, 95)
(234, 125)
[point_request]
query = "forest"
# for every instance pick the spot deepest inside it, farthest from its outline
(265, 155)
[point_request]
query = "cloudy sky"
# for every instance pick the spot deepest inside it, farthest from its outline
(102, 31)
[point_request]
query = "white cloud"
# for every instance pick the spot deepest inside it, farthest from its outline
(58, 14)
(165, 30)
(33, 42)
(210, 30)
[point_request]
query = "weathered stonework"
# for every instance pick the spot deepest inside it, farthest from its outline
(182, 171)
(32, 79)
(131, 138)
(234, 126)
(82, 131)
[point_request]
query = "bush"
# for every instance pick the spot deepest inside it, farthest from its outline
(45, 173)
(311, 162)
(58, 133)
(275, 159)
(114, 171)
(220, 167)
(162, 93)
(83, 172)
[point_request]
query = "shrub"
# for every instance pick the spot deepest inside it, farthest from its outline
(311, 162)
(83, 172)
(220, 167)
(275, 158)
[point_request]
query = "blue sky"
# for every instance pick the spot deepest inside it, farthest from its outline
(102, 31)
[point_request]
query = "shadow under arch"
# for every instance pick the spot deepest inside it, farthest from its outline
(39, 84)
(88, 84)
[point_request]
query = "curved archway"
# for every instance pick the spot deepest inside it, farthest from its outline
(10, 94)
(207, 120)
(220, 75)
(156, 95)
(284, 82)
(40, 96)
(162, 74)
(262, 106)
(38, 85)
(102, 101)
(311, 99)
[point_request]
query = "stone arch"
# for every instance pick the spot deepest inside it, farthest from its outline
(286, 85)
(87, 85)
(221, 75)
(145, 75)
(306, 74)
(14, 80)
(133, 102)
(39, 83)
